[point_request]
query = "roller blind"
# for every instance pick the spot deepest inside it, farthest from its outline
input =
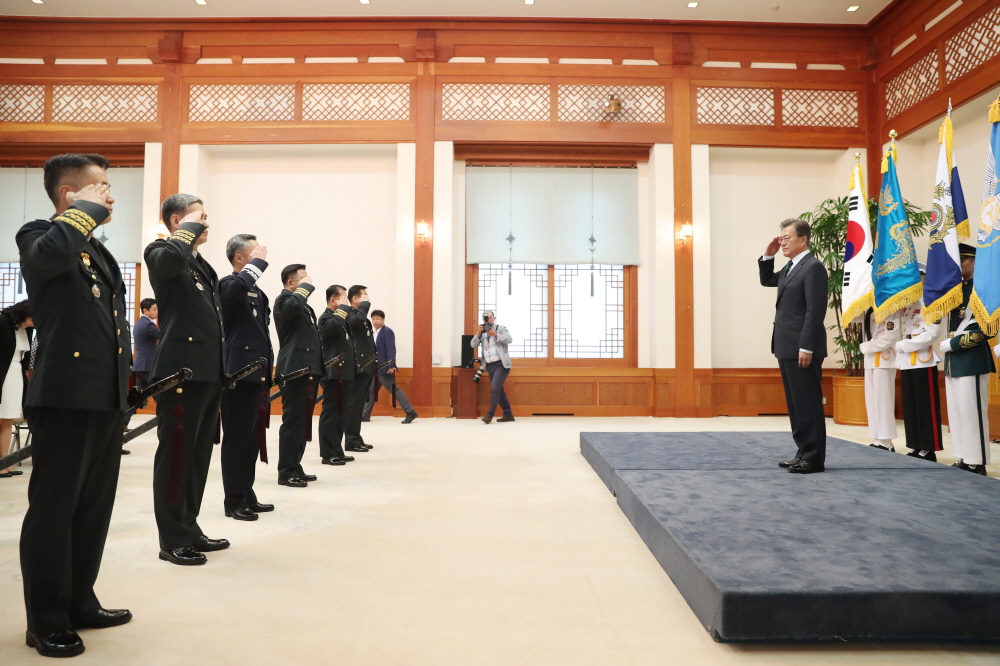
(551, 212)
(23, 198)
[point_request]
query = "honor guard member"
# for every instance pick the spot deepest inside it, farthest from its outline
(187, 293)
(338, 379)
(246, 408)
(299, 347)
(366, 359)
(880, 377)
(967, 367)
(74, 405)
(917, 358)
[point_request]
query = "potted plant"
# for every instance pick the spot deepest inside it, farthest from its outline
(829, 234)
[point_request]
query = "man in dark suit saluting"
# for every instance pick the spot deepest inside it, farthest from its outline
(799, 340)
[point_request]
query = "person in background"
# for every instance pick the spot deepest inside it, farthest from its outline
(494, 340)
(338, 379)
(146, 334)
(385, 345)
(879, 348)
(14, 344)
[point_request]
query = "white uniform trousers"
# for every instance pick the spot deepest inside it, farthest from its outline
(880, 399)
(968, 418)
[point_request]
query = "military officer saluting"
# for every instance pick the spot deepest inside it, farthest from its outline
(300, 348)
(968, 363)
(246, 408)
(187, 293)
(338, 379)
(880, 378)
(365, 357)
(74, 404)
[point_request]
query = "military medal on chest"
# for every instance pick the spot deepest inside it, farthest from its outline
(255, 312)
(86, 259)
(96, 290)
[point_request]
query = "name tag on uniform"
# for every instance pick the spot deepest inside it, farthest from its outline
(252, 295)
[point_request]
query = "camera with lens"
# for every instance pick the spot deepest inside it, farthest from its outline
(486, 322)
(480, 371)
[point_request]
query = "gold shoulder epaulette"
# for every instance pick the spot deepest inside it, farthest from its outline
(304, 293)
(340, 313)
(78, 220)
(184, 236)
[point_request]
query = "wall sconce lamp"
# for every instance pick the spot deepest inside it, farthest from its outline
(423, 231)
(686, 232)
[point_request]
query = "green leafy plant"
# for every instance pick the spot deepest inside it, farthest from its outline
(829, 235)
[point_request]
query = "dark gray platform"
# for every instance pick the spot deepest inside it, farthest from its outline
(879, 547)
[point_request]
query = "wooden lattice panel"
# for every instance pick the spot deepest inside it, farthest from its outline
(911, 85)
(640, 104)
(735, 106)
(819, 108)
(22, 104)
(973, 46)
(356, 101)
(104, 103)
(495, 101)
(241, 103)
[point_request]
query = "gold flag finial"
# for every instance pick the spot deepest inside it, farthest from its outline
(995, 111)
(892, 134)
(857, 157)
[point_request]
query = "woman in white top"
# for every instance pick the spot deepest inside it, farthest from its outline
(14, 344)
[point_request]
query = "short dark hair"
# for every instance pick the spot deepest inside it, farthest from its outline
(355, 290)
(146, 303)
(800, 227)
(237, 243)
(334, 290)
(19, 312)
(290, 270)
(59, 169)
(177, 204)
(377, 313)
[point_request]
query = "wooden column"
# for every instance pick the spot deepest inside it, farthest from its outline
(172, 115)
(685, 399)
(423, 253)
(874, 108)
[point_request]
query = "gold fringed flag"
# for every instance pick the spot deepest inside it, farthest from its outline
(985, 300)
(857, 295)
(897, 275)
(943, 282)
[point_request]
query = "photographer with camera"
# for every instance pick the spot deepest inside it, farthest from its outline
(494, 340)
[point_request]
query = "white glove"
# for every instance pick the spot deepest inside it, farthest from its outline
(899, 347)
(945, 346)
(996, 351)
(864, 348)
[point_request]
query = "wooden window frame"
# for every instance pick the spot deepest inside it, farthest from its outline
(630, 306)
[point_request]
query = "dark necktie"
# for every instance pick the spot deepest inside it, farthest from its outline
(788, 268)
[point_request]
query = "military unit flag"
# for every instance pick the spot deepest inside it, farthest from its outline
(943, 282)
(985, 301)
(896, 273)
(857, 286)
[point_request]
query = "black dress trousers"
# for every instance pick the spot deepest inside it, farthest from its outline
(177, 522)
(240, 443)
(295, 396)
(333, 419)
(804, 397)
(354, 405)
(76, 457)
(922, 408)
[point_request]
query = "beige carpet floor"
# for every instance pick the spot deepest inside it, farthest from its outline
(453, 543)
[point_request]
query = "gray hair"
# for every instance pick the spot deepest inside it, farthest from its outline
(238, 243)
(800, 227)
(177, 204)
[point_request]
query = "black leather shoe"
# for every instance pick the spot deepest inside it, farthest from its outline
(804, 467)
(487, 418)
(788, 463)
(205, 545)
(64, 643)
(17, 472)
(185, 555)
(101, 618)
(960, 465)
(923, 454)
(293, 482)
(505, 418)
(410, 418)
(242, 513)
(890, 449)
(126, 452)
(357, 449)
(257, 507)
(364, 420)
(976, 469)
(309, 477)
(334, 461)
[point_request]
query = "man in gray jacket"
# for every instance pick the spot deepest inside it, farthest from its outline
(494, 355)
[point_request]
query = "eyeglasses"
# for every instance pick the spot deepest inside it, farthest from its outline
(786, 239)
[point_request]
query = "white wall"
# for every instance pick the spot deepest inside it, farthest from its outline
(656, 259)
(752, 191)
(346, 211)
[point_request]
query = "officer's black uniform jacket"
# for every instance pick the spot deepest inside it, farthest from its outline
(336, 338)
(246, 316)
(970, 350)
(298, 338)
(187, 294)
(84, 342)
(364, 340)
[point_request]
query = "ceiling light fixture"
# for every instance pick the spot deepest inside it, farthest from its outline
(529, 2)
(692, 5)
(365, 2)
(201, 2)
(853, 8)
(38, 2)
